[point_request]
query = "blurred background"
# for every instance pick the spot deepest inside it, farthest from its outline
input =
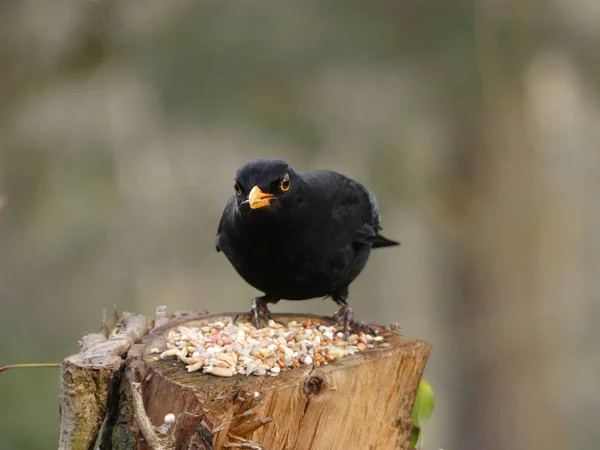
(476, 123)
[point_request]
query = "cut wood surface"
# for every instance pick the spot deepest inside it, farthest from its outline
(360, 401)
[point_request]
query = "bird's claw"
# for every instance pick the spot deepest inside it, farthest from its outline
(345, 315)
(259, 311)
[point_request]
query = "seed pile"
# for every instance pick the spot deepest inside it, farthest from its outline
(225, 349)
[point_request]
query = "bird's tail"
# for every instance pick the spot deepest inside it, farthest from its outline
(381, 241)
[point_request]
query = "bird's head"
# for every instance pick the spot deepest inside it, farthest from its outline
(265, 185)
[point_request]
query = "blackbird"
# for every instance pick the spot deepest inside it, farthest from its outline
(299, 235)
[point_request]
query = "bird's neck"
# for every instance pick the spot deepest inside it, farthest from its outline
(263, 223)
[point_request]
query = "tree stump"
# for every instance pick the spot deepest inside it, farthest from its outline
(359, 401)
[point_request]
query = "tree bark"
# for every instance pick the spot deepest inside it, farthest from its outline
(356, 402)
(88, 380)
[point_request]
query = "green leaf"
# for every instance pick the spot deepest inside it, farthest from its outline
(423, 407)
(414, 437)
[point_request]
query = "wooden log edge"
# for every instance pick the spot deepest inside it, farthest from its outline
(130, 393)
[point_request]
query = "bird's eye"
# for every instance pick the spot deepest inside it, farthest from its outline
(238, 189)
(285, 183)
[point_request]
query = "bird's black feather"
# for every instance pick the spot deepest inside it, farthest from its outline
(310, 241)
(381, 241)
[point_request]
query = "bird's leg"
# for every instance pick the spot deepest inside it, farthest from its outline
(345, 315)
(259, 310)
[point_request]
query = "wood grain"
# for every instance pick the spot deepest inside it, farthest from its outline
(358, 402)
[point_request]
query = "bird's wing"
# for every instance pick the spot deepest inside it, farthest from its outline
(377, 240)
(368, 233)
(227, 212)
(353, 207)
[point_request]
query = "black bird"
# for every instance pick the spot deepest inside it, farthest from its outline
(297, 236)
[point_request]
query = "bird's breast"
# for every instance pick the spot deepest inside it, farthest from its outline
(291, 260)
(277, 264)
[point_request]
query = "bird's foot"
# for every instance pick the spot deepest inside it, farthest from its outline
(258, 312)
(345, 315)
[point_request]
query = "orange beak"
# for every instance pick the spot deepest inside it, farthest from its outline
(259, 199)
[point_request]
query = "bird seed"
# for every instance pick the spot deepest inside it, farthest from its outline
(225, 349)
